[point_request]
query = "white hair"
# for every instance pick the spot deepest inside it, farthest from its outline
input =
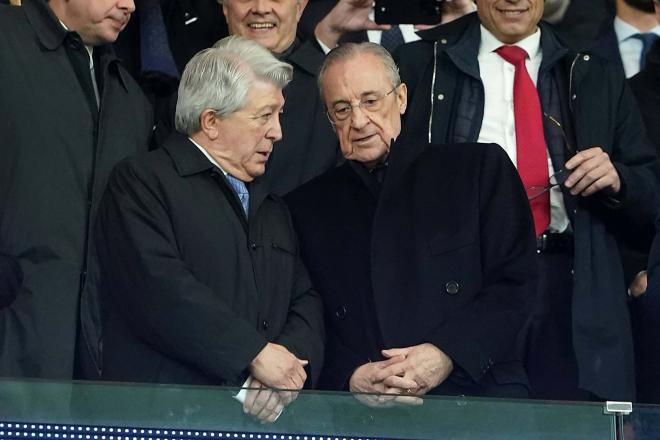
(220, 78)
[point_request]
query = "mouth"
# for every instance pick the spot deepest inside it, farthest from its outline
(363, 139)
(120, 22)
(261, 26)
(512, 13)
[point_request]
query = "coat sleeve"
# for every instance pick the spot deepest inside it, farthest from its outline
(303, 333)
(636, 161)
(492, 321)
(148, 282)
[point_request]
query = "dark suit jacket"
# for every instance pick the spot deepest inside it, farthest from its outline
(192, 290)
(443, 255)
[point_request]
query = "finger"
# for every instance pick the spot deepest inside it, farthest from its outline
(370, 25)
(401, 383)
(396, 369)
(270, 404)
(287, 397)
(408, 400)
(250, 397)
(594, 179)
(277, 412)
(391, 352)
(582, 156)
(261, 401)
(303, 362)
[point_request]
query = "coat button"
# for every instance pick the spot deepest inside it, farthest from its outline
(341, 312)
(265, 324)
(253, 245)
(443, 41)
(586, 57)
(441, 97)
(452, 287)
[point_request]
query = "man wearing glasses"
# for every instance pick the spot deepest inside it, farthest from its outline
(501, 76)
(425, 280)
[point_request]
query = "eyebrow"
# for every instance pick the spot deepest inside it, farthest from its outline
(362, 95)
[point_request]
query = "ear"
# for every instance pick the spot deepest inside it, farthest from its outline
(402, 97)
(208, 124)
(301, 4)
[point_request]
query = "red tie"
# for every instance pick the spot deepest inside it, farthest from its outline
(530, 141)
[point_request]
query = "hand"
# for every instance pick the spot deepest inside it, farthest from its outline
(453, 9)
(592, 171)
(638, 285)
(346, 16)
(263, 403)
(425, 364)
(368, 378)
(277, 367)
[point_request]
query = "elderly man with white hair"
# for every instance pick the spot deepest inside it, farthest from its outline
(202, 278)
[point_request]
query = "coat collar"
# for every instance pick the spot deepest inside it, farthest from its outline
(462, 37)
(52, 35)
(188, 161)
(187, 158)
(306, 57)
(49, 31)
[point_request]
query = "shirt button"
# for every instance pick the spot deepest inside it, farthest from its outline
(452, 287)
(253, 245)
(441, 97)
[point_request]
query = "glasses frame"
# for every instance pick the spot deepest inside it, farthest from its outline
(328, 112)
(560, 176)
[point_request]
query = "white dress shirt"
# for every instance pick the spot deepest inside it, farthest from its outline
(629, 47)
(499, 125)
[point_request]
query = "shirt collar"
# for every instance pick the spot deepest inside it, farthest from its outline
(208, 156)
(531, 44)
(625, 30)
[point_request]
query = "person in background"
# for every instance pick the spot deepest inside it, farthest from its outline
(69, 113)
(628, 39)
(202, 279)
(570, 124)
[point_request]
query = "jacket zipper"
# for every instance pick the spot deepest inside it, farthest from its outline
(570, 82)
(435, 67)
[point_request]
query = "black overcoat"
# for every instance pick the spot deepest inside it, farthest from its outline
(53, 170)
(191, 290)
(444, 255)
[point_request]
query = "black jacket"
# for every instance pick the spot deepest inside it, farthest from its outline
(442, 254)
(55, 163)
(596, 108)
(192, 290)
(646, 87)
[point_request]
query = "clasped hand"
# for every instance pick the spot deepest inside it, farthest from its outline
(402, 377)
(276, 376)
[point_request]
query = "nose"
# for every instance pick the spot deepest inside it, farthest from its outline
(275, 131)
(359, 118)
(260, 6)
(127, 5)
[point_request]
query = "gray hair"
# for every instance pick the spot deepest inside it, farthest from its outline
(220, 78)
(351, 50)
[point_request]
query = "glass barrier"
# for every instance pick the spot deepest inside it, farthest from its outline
(110, 411)
(643, 423)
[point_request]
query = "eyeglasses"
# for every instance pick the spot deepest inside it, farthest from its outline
(560, 176)
(371, 103)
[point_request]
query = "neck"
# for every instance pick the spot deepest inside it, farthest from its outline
(644, 21)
